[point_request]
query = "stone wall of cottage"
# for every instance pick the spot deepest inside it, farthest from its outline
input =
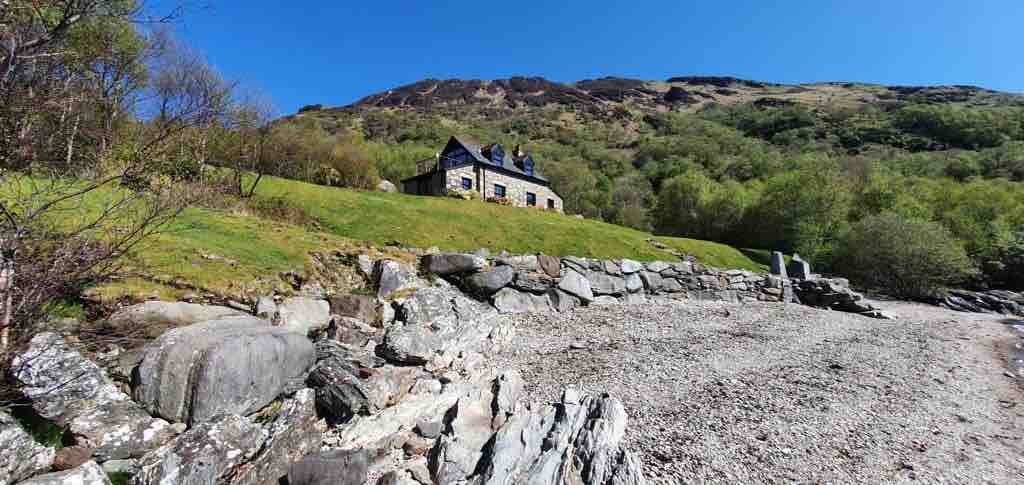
(516, 189)
(454, 177)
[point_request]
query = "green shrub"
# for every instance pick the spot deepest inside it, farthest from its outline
(909, 258)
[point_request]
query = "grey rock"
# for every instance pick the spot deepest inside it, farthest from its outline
(429, 429)
(611, 267)
(360, 307)
(487, 283)
(509, 300)
(350, 331)
(203, 455)
(120, 466)
(578, 440)
(682, 269)
(657, 266)
(482, 253)
(339, 467)
(72, 391)
(628, 266)
(533, 282)
(154, 317)
(562, 301)
(550, 265)
(365, 266)
(22, 456)
(798, 268)
(576, 284)
(652, 281)
(392, 276)
(634, 283)
(671, 285)
(447, 264)
(70, 457)
(234, 365)
(266, 308)
(88, 474)
(386, 186)
(605, 300)
(578, 264)
(778, 264)
(303, 314)
(526, 262)
(294, 432)
(347, 384)
(434, 320)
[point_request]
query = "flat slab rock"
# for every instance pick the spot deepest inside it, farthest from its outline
(22, 456)
(73, 391)
(88, 473)
(234, 365)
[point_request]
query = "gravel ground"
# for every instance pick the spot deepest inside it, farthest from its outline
(776, 393)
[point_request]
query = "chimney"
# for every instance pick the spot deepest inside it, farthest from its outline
(517, 151)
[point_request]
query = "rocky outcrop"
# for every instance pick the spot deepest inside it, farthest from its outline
(87, 474)
(203, 455)
(349, 381)
(992, 301)
(578, 440)
(294, 431)
(835, 295)
(435, 320)
(21, 457)
(74, 392)
(234, 365)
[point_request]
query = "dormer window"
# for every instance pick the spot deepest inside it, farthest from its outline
(528, 166)
(497, 155)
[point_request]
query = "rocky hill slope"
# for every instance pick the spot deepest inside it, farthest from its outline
(685, 93)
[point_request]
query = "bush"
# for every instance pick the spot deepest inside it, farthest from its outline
(910, 258)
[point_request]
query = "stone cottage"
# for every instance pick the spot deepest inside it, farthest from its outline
(487, 170)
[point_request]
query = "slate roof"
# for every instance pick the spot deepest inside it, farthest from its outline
(476, 149)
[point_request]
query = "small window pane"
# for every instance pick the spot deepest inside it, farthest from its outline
(499, 190)
(551, 203)
(467, 183)
(531, 199)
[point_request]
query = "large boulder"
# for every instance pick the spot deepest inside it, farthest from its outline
(154, 317)
(487, 283)
(509, 300)
(652, 281)
(74, 392)
(386, 186)
(294, 432)
(446, 264)
(526, 262)
(21, 457)
(337, 467)
(434, 320)
(628, 266)
(304, 314)
(533, 282)
(576, 284)
(87, 474)
(233, 365)
(203, 455)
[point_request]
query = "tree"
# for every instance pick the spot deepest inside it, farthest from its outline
(72, 219)
(909, 258)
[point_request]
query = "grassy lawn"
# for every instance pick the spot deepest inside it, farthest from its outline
(236, 253)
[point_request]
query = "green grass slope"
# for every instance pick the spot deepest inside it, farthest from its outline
(227, 250)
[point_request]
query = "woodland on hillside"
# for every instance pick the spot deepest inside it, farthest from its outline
(768, 175)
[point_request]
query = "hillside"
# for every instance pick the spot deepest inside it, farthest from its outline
(678, 93)
(235, 252)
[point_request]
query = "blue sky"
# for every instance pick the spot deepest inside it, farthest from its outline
(335, 52)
